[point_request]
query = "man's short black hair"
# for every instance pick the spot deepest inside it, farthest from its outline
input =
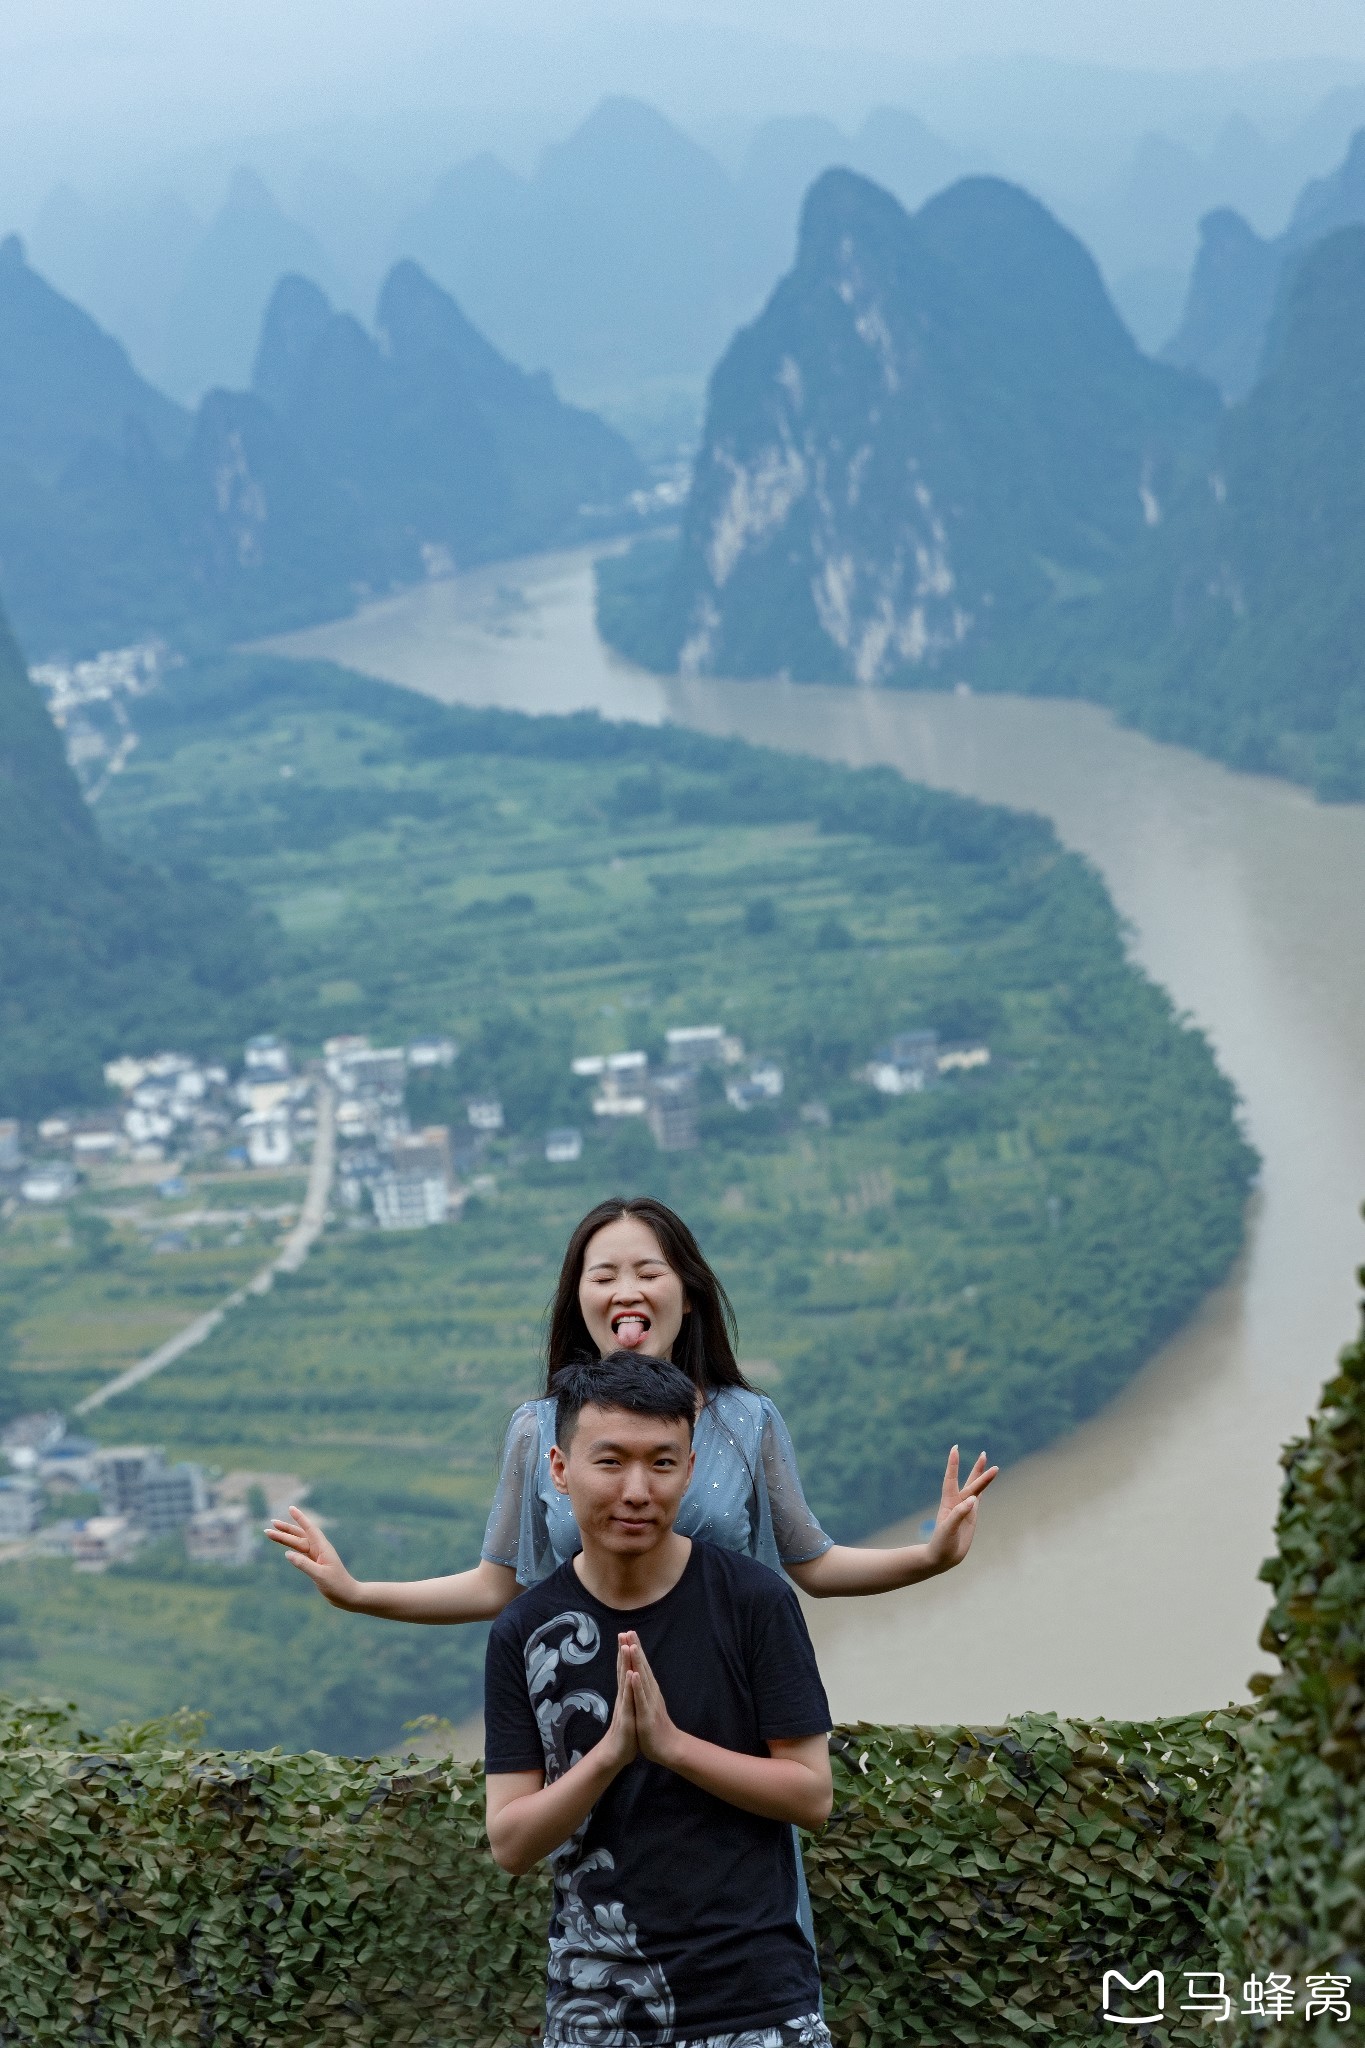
(623, 1379)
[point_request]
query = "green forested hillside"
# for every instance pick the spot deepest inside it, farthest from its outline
(358, 462)
(97, 951)
(985, 1262)
(1240, 626)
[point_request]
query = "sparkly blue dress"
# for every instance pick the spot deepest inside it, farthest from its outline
(745, 1495)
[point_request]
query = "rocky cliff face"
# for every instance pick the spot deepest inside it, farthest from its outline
(937, 426)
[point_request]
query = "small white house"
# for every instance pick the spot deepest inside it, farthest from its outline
(265, 1056)
(220, 1536)
(564, 1146)
(102, 1541)
(621, 1095)
(268, 1140)
(485, 1113)
(432, 1052)
(963, 1059)
(763, 1083)
(702, 1045)
(50, 1182)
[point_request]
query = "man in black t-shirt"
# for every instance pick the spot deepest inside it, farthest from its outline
(655, 1724)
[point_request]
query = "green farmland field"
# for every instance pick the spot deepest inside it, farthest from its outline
(984, 1262)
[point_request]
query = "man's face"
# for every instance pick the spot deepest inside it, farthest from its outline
(626, 1475)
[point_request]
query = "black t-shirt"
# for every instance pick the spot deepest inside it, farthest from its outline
(675, 1912)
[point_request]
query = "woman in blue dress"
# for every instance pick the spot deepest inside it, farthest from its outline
(634, 1279)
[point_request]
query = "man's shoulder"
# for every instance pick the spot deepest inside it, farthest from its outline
(757, 1586)
(524, 1614)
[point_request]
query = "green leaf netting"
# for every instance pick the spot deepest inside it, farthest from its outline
(972, 1886)
(1293, 1895)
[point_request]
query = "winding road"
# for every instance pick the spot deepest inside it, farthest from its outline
(288, 1259)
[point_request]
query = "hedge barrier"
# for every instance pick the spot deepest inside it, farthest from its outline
(1292, 1893)
(972, 1887)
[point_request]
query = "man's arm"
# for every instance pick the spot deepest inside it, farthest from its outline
(526, 1818)
(477, 1595)
(848, 1571)
(792, 1783)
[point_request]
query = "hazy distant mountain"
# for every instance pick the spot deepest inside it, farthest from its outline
(96, 953)
(1227, 306)
(1237, 274)
(185, 298)
(430, 429)
(62, 380)
(937, 427)
(1241, 628)
(783, 159)
(630, 254)
(613, 263)
(893, 147)
(354, 464)
(123, 265)
(214, 316)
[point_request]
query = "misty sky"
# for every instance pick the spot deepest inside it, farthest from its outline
(91, 83)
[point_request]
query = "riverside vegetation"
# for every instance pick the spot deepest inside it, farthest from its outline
(964, 1264)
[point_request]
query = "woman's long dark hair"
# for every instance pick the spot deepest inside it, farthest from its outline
(705, 1345)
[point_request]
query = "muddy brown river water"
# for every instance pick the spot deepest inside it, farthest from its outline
(1116, 1572)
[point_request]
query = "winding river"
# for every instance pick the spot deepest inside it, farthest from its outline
(1115, 1573)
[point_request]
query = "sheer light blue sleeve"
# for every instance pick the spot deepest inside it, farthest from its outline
(516, 1535)
(796, 1532)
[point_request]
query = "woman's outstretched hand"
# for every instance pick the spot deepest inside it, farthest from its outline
(476, 1595)
(306, 1546)
(955, 1523)
(846, 1569)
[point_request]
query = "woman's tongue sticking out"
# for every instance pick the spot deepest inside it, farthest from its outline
(630, 1329)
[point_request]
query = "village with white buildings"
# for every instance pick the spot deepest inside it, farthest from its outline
(175, 1126)
(171, 1115)
(89, 701)
(52, 1471)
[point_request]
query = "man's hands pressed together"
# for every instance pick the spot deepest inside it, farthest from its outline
(792, 1783)
(528, 1819)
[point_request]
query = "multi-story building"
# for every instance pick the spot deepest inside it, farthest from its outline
(413, 1190)
(672, 1110)
(135, 1482)
(21, 1505)
(170, 1495)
